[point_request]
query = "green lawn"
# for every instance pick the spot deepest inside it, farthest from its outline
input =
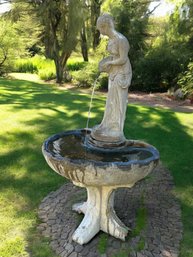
(31, 112)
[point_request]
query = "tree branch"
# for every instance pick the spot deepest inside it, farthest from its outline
(150, 12)
(4, 58)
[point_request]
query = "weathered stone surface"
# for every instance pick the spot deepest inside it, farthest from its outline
(162, 234)
(119, 70)
(74, 254)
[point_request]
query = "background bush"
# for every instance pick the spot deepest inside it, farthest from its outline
(33, 64)
(47, 74)
(159, 69)
(86, 76)
(45, 68)
(25, 66)
(185, 81)
(75, 65)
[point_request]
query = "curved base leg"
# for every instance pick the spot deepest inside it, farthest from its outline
(80, 207)
(99, 215)
(90, 224)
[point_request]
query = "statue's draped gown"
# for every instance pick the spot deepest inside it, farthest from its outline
(117, 98)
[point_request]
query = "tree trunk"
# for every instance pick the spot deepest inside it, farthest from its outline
(60, 63)
(4, 57)
(95, 13)
(96, 39)
(59, 71)
(84, 47)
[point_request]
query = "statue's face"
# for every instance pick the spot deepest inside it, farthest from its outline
(103, 28)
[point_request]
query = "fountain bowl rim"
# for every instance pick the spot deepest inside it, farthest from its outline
(141, 144)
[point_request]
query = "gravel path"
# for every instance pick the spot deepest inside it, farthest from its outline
(160, 100)
(159, 236)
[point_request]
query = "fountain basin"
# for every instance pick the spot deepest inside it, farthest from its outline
(101, 171)
(67, 154)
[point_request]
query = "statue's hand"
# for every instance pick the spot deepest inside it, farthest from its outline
(107, 65)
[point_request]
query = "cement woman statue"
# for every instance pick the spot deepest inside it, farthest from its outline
(118, 67)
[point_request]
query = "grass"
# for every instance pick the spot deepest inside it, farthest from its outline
(103, 242)
(141, 221)
(30, 112)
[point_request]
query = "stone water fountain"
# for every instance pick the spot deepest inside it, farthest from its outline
(101, 159)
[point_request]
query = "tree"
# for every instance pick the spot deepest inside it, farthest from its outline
(84, 45)
(26, 25)
(95, 13)
(11, 45)
(58, 24)
(89, 28)
(61, 22)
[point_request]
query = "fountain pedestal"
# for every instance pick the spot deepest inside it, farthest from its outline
(99, 215)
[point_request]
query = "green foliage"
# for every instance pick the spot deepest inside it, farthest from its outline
(185, 81)
(158, 70)
(88, 72)
(11, 45)
(13, 247)
(74, 65)
(33, 64)
(61, 22)
(45, 68)
(86, 76)
(26, 25)
(47, 74)
(181, 22)
(102, 81)
(25, 65)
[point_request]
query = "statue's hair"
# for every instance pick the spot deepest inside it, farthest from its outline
(106, 18)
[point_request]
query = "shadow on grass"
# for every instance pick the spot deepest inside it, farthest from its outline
(25, 146)
(34, 180)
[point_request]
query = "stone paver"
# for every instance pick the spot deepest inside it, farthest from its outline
(161, 235)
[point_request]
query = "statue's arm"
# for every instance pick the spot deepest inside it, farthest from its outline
(123, 52)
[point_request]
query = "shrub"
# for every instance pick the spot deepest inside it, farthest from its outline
(11, 45)
(103, 81)
(74, 65)
(6, 68)
(88, 72)
(86, 76)
(45, 68)
(158, 70)
(185, 81)
(47, 74)
(25, 65)
(33, 64)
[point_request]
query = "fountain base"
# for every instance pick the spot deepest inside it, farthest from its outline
(101, 171)
(99, 215)
(105, 144)
(105, 138)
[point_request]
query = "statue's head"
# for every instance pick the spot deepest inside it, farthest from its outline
(105, 23)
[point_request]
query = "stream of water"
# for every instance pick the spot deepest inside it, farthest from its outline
(90, 106)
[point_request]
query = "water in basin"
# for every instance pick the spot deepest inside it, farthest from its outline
(73, 146)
